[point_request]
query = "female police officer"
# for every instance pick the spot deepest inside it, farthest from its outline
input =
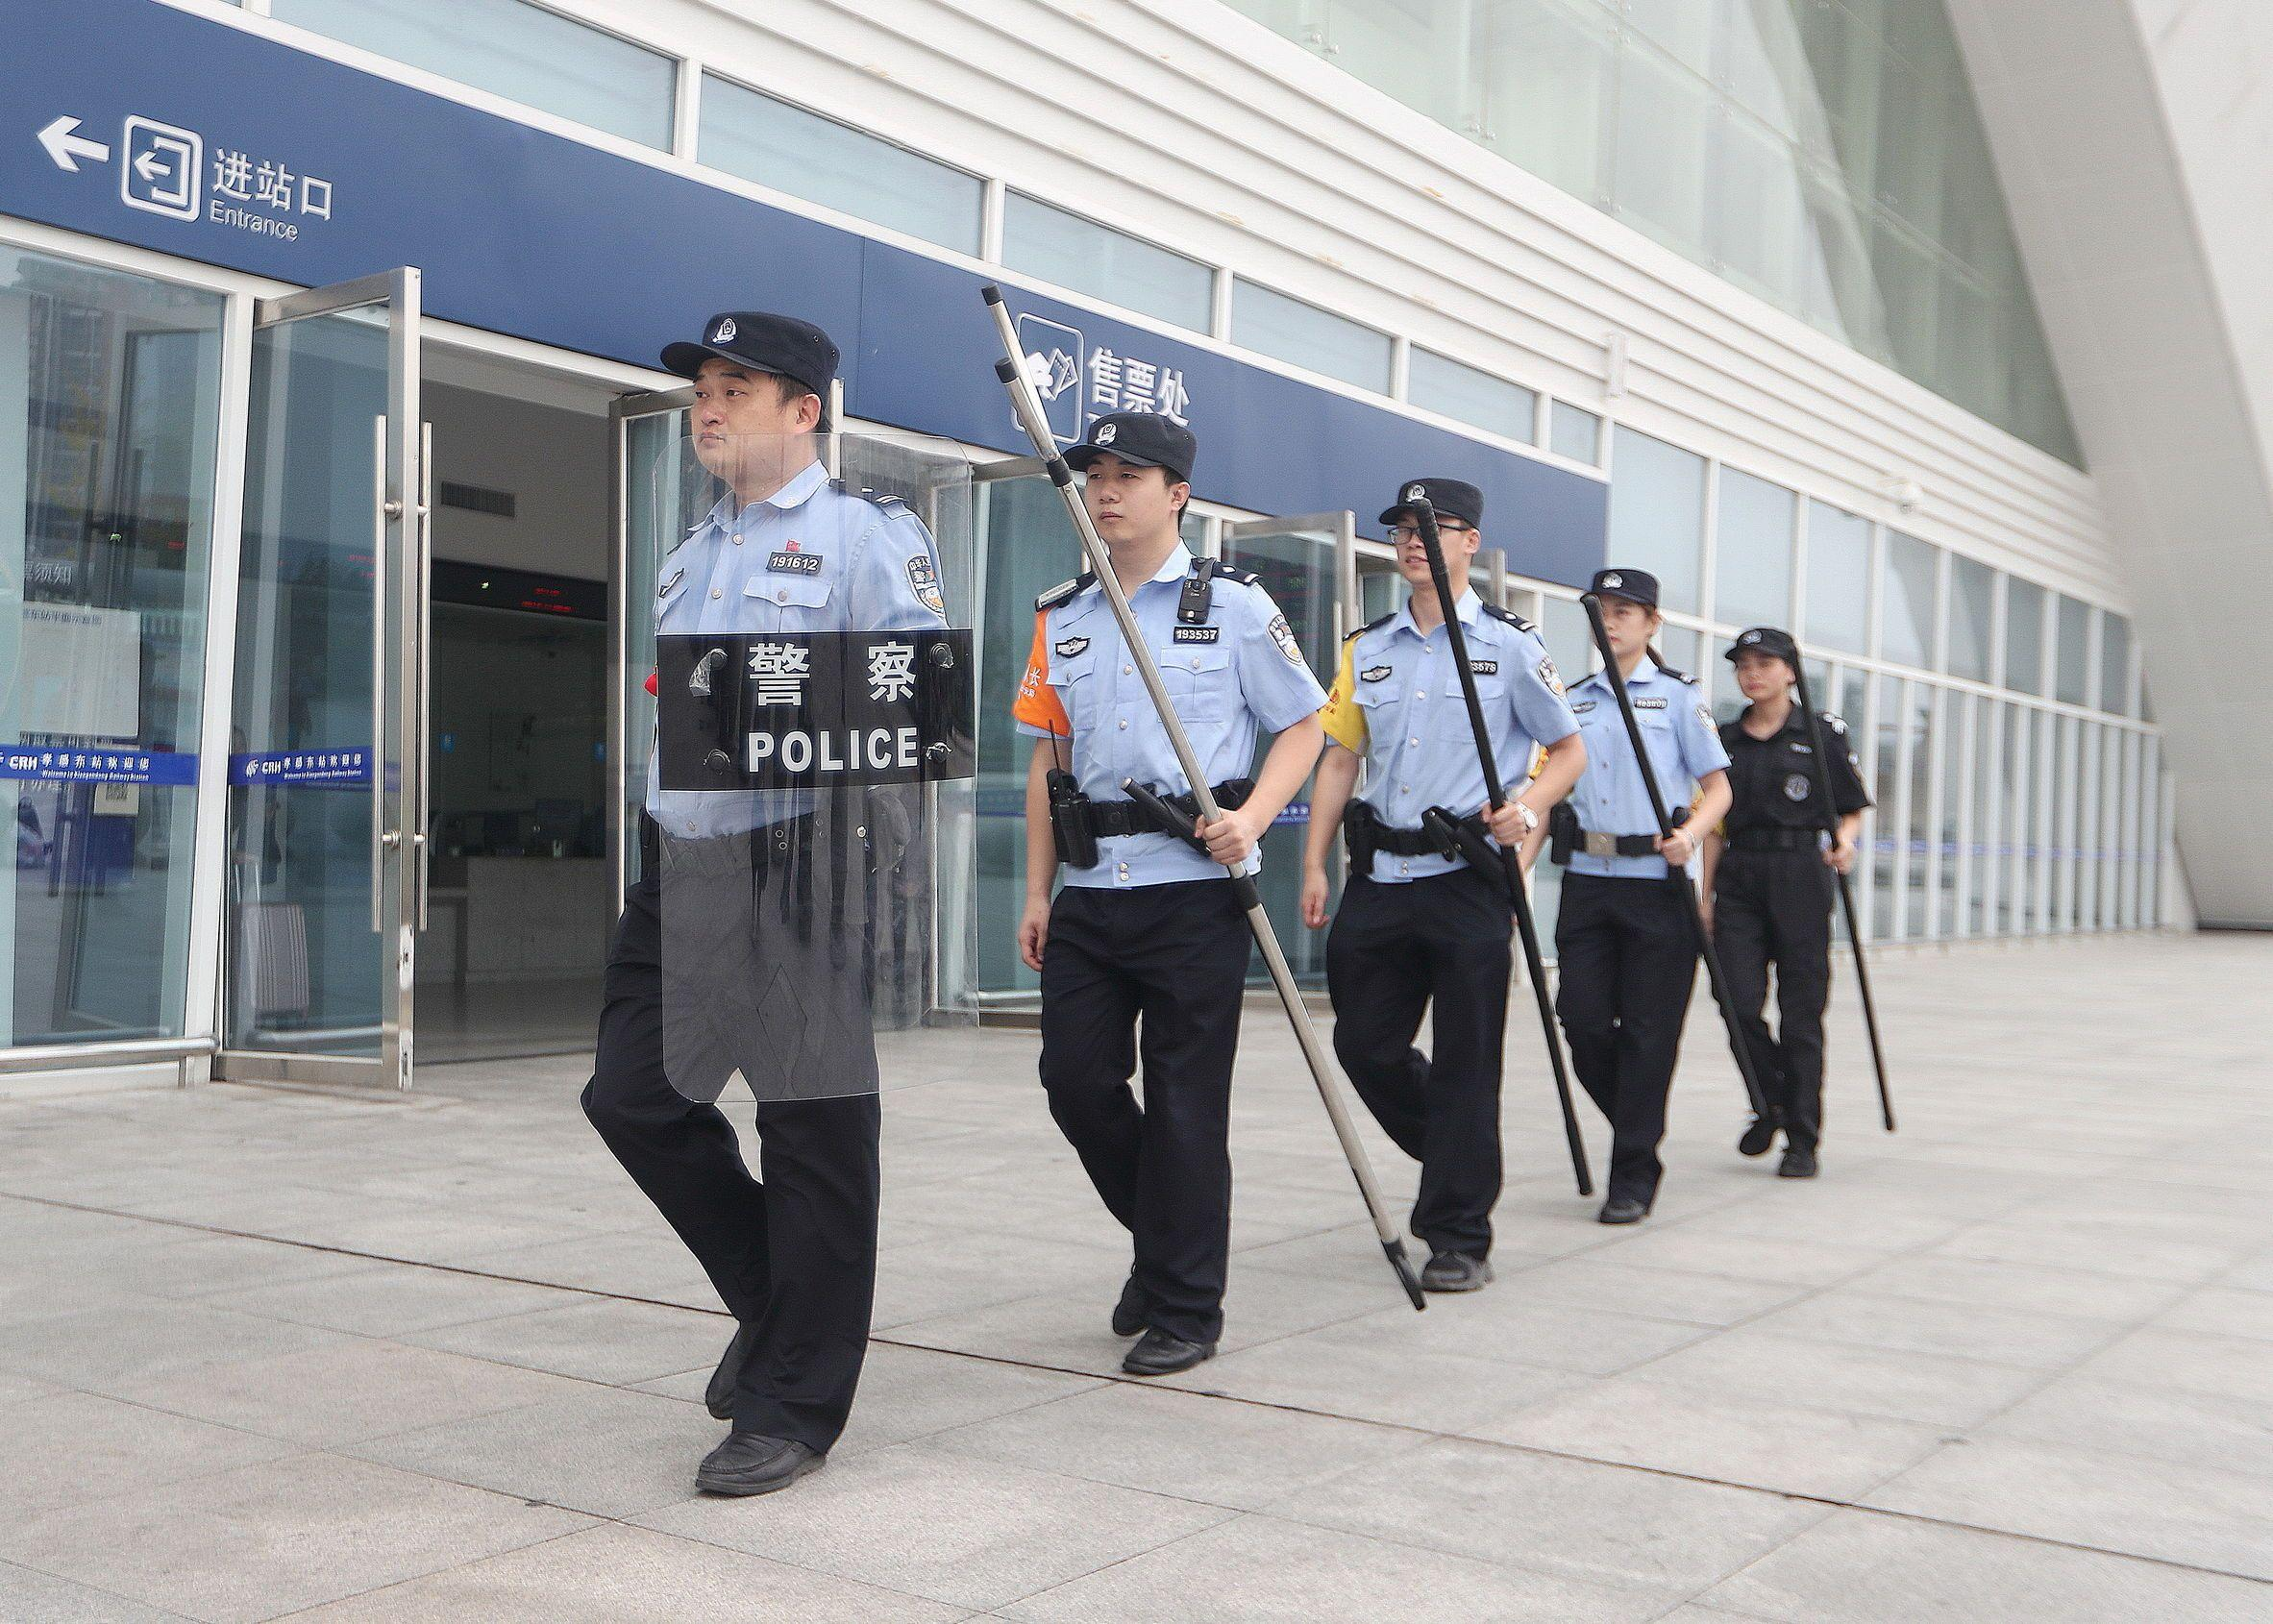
(1626, 944)
(1769, 887)
(1419, 927)
(1146, 924)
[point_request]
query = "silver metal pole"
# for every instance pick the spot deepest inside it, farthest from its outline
(1011, 369)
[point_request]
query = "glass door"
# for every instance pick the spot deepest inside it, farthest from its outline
(650, 519)
(1308, 564)
(328, 826)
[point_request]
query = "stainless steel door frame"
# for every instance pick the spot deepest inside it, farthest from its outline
(622, 412)
(401, 537)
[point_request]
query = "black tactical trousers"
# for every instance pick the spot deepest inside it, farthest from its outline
(1176, 955)
(1775, 907)
(793, 1251)
(1439, 944)
(1626, 952)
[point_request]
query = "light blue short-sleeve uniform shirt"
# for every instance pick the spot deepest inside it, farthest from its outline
(1684, 746)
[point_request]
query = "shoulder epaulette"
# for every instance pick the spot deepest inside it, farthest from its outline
(894, 507)
(1510, 617)
(1064, 590)
(1372, 625)
(1832, 721)
(1224, 572)
(1678, 676)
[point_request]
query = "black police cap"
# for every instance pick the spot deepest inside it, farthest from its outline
(764, 342)
(1452, 499)
(1636, 586)
(1765, 640)
(1145, 438)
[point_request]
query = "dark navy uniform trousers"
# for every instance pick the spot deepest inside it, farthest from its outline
(1626, 954)
(1438, 943)
(1775, 907)
(791, 1252)
(1174, 956)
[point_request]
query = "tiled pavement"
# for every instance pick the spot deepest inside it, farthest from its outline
(269, 1354)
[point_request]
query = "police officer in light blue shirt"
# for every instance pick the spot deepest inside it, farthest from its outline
(792, 1257)
(1418, 929)
(1625, 937)
(1145, 925)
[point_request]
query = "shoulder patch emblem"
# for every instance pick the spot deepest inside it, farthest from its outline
(922, 579)
(1548, 674)
(1379, 673)
(1283, 635)
(1066, 648)
(1705, 715)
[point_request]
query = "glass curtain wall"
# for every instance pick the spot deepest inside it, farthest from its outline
(110, 388)
(1825, 155)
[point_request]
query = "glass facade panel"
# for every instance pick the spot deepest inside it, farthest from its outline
(1575, 432)
(1657, 515)
(1920, 853)
(2065, 835)
(1272, 324)
(110, 388)
(1105, 264)
(2013, 823)
(2024, 635)
(1825, 155)
(1563, 628)
(2114, 665)
(1984, 871)
(1838, 579)
(1972, 601)
(1752, 551)
(522, 52)
(2072, 664)
(1894, 812)
(748, 134)
(1438, 384)
(1906, 635)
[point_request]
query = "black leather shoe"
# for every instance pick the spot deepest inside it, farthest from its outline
(1797, 1163)
(750, 1462)
(1129, 1313)
(1757, 1138)
(1455, 1272)
(1159, 1354)
(1622, 1209)
(719, 1396)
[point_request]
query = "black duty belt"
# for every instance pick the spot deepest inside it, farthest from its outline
(1407, 843)
(1106, 819)
(1774, 837)
(1596, 844)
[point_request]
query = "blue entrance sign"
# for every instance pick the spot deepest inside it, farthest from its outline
(105, 764)
(134, 121)
(260, 768)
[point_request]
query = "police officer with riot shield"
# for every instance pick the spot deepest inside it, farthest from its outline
(742, 948)
(1768, 874)
(1146, 923)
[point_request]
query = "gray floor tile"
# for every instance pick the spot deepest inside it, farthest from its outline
(1716, 1435)
(1763, 1366)
(604, 1450)
(1601, 1524)
(1263, 1570)
(1600, 1282)
(2222, 1311)
(389, 1300)
(71, 1447)
(1856, 1568)
(592, 1339)
(27, 1597)
(127, 1350)
(954, 1528)
(2004, 1335)
(1941, 1277)
(2199, 1516)
(1171, 1442)
(2197, 1361)
(2159, 1423)
(614, 1574)
(265, 1540)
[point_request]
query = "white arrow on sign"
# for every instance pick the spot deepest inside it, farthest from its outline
(150, 167)
(67, 149)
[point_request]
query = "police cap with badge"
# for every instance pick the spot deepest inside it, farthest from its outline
(1635, 586)
(1767, 640)
(764, 342)
(1452, 499)
(1145, 438)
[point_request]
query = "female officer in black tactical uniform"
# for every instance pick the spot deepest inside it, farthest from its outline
(1768, 888)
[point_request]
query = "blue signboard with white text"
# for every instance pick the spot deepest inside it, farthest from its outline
(133, 121)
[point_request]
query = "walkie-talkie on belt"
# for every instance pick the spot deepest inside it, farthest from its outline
(1068, 829)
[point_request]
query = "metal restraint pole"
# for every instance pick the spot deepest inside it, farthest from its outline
(1011, 370)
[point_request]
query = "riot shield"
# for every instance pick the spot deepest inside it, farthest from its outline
(810, 782)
